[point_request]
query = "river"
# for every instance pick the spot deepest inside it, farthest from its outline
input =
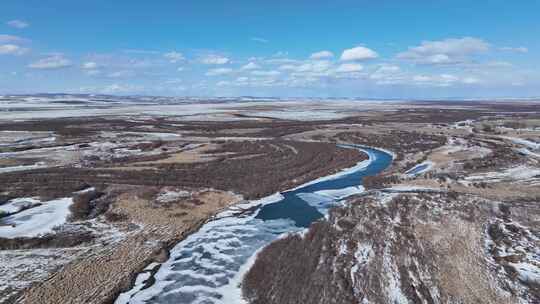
(208, 265)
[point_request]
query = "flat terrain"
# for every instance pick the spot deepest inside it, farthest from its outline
(454, 219)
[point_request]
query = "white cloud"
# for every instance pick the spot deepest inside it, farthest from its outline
(499, 64)
(317, 66)
(115, 88)
(322, 55)
(443, 80)
(12, 39)
(258, 39)
(180, 69)
(90, 65)
(448, 51)
(288, 67)
(470, 80)
(224, 83)
(93, 72)
(214, 59)
(12, 49)
(520, 49)
(174, 81)
(447, 78)
(349, 68)
(174, 57)
(386, 74)
(358, 53)
(121, 74)
(250, 82)
(389, 69)
(52, 62)
(251, 66)
(281, 61)
(120, 88)
(18, 24)
(219, 72)
(422, 78)
(265, 73)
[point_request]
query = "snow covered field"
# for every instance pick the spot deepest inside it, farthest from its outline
(511, 174)
(36, 221)
(23, 108)
(18, 204)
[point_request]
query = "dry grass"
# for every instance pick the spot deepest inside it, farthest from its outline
(101, 275)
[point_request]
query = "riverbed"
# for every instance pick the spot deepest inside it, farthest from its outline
(208, 266)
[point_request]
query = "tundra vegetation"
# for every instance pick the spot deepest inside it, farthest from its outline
(148, 181)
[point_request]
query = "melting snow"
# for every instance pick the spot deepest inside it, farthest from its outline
(516, 173)
(172, 196)
(419, 169)
(17, 204)
(528, 143)
(22, 168)
(36, 221)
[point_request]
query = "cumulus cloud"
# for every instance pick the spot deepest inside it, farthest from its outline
(174, 57)
(499, 64)
(322, 55)
(448, 51)
(281, 61)
(470, 80)
(349, 68)
(219, 72)
(115, 88)
(20, 24)
(121, 74)
(90, 65)
(214, 59)
(317, 66)
(443, 80)
(92, 72)
(251, 66)
(120, 88)
(57, 61)
(358, 53)
(385, 72)
(520, 49)
(250, 82)
(12, 49)
(174, 81)
(265, 73)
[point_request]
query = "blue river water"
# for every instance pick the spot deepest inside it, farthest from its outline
(208, 265)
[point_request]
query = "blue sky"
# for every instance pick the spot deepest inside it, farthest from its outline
(372, 49)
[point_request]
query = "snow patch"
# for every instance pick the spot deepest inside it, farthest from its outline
(420, 168)
(36, 221)
(169, 196)
(22, 167)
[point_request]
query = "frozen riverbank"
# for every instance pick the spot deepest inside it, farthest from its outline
(208, 265)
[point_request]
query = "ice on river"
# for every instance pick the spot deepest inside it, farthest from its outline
(208, 266)
(205, 267)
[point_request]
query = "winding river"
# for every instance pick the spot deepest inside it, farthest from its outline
(208, 266)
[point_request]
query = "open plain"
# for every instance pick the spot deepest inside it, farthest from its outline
(96, 190)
